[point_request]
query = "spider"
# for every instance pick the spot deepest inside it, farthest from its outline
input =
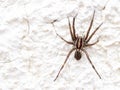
(79, 43)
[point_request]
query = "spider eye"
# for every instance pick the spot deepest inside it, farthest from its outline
(77, 55)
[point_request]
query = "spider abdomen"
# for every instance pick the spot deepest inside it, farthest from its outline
(77, 55)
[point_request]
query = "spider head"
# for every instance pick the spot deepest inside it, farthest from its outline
(77, 55)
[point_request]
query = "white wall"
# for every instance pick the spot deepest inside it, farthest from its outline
(31, 53)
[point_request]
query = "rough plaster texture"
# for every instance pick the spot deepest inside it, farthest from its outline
(31, 54)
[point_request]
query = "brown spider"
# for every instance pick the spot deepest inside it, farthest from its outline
(79, 43)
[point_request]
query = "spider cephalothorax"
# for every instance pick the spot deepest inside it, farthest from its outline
(79, 43)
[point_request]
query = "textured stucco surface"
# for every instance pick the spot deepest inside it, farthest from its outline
(31, 53)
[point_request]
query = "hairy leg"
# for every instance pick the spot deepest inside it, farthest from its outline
(64, 39)
(74, 32)
(94, 32)
(91, 23)
(91, 62)
(64, 63)
(61, 37)
(71, 32)
(92, 43)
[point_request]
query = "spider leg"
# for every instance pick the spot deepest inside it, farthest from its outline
(64, 63)
(64, 39)
(92, 43)
(91, 23)
(74, 35)
(91, 62)
(61, 37)
(94, 32)
(71, 33)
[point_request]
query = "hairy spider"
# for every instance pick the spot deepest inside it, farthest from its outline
(79, 43)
